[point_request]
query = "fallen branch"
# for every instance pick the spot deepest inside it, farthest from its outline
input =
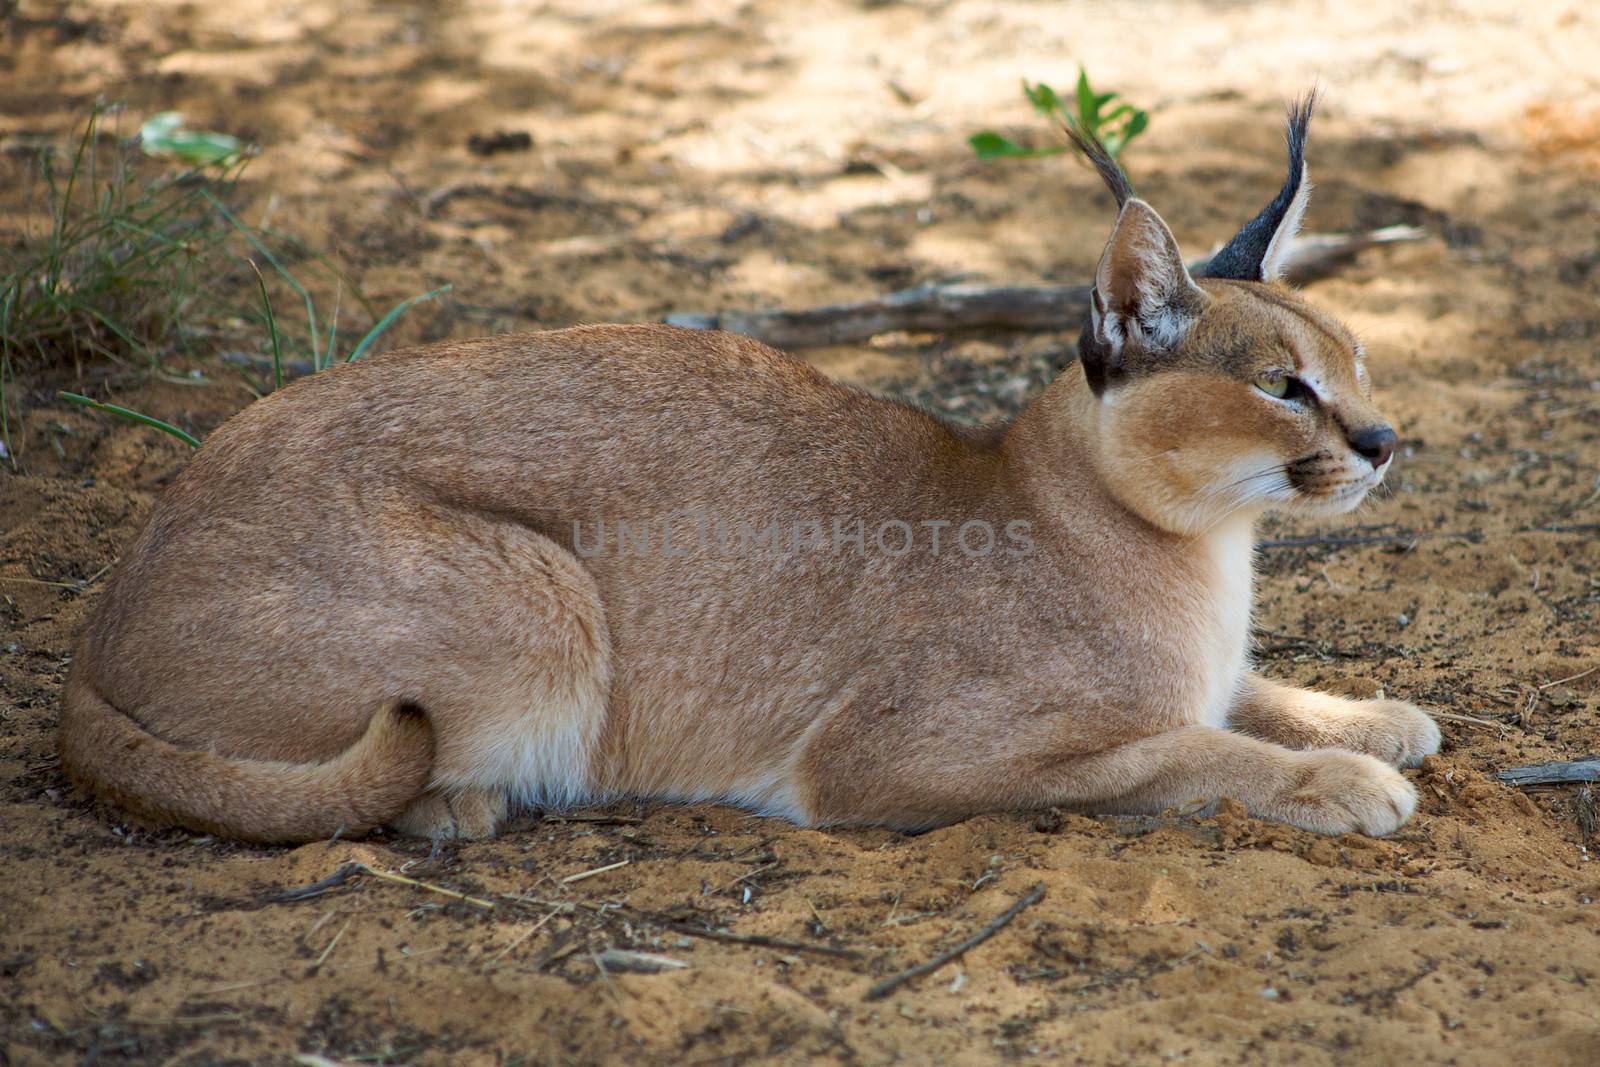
(926, 308)
(889, 985)
(936, 308)
(1583, 770)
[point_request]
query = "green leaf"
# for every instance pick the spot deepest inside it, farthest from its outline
(990, 145)
(164, 135)
(1042, 97)
(132, 416)
(1088, 111)
(272, 328)
(388, 320)
(333, 334)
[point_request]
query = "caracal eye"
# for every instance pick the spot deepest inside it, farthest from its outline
(1275, 383)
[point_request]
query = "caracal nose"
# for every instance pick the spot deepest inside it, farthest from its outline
(1376, 443)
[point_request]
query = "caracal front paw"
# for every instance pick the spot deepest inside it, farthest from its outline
(1336, 792)
(1398, 733)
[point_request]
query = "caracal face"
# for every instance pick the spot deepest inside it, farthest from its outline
(1226, 394)
(1266, 402)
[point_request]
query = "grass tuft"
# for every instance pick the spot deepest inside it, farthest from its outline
(119, 267)
(115, 265)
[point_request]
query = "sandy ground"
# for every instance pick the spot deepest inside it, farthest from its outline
(702, 155)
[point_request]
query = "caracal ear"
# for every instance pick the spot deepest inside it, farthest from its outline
(1259, 252)
(1143, 296)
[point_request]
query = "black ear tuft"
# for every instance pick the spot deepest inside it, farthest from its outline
(1245, 257)
(1110, 171)
(1098, 361)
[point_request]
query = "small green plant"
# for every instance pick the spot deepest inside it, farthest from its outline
(129, 267)
(1090, 113)
(118, 263)
(322, 348)
(275, 341)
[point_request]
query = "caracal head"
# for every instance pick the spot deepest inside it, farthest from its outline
(1226, 394)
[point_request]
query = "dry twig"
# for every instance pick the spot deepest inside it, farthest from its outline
(1471, 720)
(350, 870)
(1569, 678)
(728, 936)
(890, 984)
(581, 875)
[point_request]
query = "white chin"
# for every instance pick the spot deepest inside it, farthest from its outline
(1339, 503)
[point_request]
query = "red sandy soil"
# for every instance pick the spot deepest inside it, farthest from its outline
(704, 155)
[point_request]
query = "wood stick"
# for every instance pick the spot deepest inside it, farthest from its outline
(728, 936)
(1475, 537)
(1471, 720)
(580, 876)
(181, 1020)
(598, 818)
(332, 943)
(936, 308)
(1569, 678)
(626, 911)
(889, 985)
(1583, 770)
(400, 879)
(529, 932)
(926, 308)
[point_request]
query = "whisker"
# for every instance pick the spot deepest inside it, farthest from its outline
(1230, 494)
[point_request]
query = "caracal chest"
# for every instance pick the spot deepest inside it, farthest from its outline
(1162, 646)
(1167, 649)
(1222, 622)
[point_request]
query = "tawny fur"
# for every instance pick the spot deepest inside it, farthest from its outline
(392, 543)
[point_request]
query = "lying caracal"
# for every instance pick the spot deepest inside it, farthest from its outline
(654, 562)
